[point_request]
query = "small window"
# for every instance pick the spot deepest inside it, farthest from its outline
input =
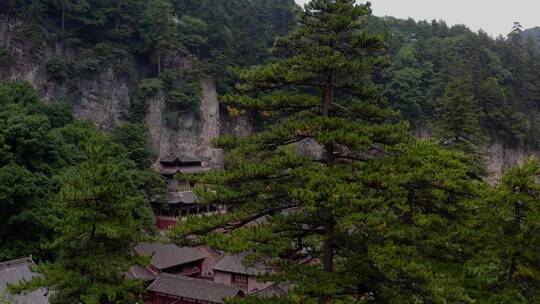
(239, 279)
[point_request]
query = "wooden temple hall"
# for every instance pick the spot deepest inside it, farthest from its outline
(181, 200)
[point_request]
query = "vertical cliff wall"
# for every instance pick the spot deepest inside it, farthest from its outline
(104, 96)
(194, 131)
(501, 157)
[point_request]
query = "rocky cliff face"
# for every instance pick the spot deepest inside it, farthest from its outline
(194, 131)
(501, 157)
(105, 98)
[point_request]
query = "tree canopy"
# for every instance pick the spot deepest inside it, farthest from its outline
(377, 208)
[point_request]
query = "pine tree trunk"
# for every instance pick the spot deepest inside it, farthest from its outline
(328, 243)
(328, 101)
(328, 251)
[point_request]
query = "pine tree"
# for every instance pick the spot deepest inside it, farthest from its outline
(369, 202)
(458, 118)
(500, 118)
(507, 262)
(160, 31)
(96, 225)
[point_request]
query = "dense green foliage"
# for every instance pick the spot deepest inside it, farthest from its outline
(533, 33)
(73, 197)
(380, 210)
(505, 263)
(238, 33)
(97, 219)
(502, 76)
(32, 150)
(222, 33)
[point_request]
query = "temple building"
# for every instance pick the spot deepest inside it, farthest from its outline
(169, 258)
(182, 275)
(231, 270)
(181, 200)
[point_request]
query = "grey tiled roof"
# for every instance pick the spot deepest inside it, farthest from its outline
(12, 272)
(186, 287)
(187, 198)
(233, 263)
(167, 255)
(184, 170)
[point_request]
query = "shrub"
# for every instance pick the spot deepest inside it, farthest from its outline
(58, 68)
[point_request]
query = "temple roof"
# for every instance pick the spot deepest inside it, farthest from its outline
(166, 170)
(12, 272)
(233, 263)
(187, 198)
(165, 256)
(179, 160)
(172, 164)
(198, 289)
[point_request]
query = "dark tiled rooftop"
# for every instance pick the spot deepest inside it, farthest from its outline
(233, 263)
(167, 255)
(191, 288)
(187, 198)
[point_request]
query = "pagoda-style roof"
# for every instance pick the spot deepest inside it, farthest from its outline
(172, 160)
(164, 170)
(181, 198)
(171, 165)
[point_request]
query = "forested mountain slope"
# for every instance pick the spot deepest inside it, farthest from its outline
(143, 62)
(150, 63)
(433, 65)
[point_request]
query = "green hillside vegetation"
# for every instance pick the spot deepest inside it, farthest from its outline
(385, 217)
(502, 76)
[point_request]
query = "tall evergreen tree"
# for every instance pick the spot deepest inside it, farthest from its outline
(96, 225)
(507, 263)
(352, 202)
(457, 122)
(160, 31)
